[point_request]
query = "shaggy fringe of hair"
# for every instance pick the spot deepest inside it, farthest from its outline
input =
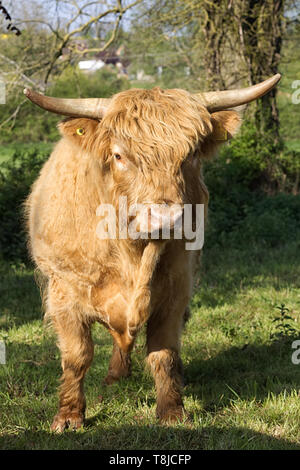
(152, 120)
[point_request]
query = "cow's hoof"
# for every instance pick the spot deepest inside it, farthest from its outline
(67, 420)
(172, 415)
(110, 379)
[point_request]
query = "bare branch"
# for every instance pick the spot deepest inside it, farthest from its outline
(18, 71)
(13, 116)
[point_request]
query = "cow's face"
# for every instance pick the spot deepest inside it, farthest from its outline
(150, 145)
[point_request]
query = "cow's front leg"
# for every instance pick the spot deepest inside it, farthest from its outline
(119, 365)
(77, 349)
(163, 336)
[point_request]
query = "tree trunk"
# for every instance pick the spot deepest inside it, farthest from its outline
(261, 22)
(261, 29)
(214, 35)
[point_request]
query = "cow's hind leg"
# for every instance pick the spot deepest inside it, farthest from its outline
(163, 336)
(119, 365)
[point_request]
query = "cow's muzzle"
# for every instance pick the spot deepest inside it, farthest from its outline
(158, 221)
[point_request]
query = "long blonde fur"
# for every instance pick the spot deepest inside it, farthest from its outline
(121, 283)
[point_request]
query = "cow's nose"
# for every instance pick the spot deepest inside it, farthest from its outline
(159, 219)
(165, 216)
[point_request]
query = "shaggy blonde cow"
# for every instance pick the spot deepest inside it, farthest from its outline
(147, 146)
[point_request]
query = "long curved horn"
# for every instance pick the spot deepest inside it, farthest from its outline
(87, 107)
(219, 100)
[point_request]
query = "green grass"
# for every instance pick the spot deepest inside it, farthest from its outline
(241, 387)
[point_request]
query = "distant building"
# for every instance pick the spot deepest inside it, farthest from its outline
(112, 58)
(115, 58)
(143, 77)
(91, 65)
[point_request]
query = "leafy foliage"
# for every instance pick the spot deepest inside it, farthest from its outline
(284, 328)
(240, 211)
(16, 178)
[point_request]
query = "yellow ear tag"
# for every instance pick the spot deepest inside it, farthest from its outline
(80, 131)
(220, 133)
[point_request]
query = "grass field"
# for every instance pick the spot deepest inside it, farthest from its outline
(242, 389)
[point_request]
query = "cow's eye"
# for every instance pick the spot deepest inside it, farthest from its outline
(120, 161)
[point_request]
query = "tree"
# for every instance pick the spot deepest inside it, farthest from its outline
(54, 34)
(260, 27)
(241, 44)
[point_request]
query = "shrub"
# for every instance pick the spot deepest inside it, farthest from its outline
(252, 161)
(16, 178)
(241, 217)
(240, 210)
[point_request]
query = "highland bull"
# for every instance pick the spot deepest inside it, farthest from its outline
(146, 146)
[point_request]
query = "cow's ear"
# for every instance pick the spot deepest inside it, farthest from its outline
(225, 124)
(80, 130)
